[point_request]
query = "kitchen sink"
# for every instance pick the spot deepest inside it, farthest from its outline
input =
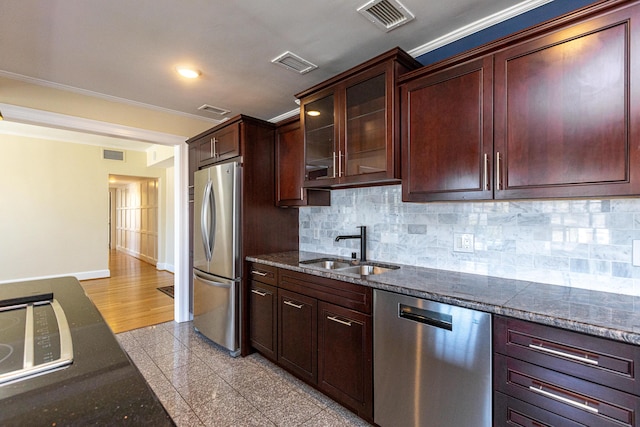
(327, 263)
(346, 266)
(370, 269)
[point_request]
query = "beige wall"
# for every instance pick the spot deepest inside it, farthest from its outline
(54, 206)
(23, 94)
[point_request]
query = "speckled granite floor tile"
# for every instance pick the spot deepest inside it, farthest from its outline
(291, 409)
(201, 385)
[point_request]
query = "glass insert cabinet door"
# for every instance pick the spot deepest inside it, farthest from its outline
(365, 143)
(320, 141)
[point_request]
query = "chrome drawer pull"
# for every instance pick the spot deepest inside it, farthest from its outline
(294, 305)
(335, 319)
(563, 354)
(257, 292)
(259, 273)
(545, 393)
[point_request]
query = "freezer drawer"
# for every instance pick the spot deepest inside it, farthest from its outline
(432, 363)
(216, 309)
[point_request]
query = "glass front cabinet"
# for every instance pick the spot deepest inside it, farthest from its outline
(350, 124)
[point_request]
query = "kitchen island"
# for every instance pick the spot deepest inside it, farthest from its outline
(601, 314)
(100, 386)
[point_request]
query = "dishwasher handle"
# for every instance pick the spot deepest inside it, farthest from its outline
(432, 318)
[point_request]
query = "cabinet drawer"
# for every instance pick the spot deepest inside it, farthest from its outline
(606, 362)
(570, 397)
(348, 295)
(264, 273)
(508, 411)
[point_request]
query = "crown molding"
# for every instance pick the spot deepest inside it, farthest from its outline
(286, 115)
(477, 26)
(31, 116)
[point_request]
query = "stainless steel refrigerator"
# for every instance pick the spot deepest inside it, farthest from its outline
(216, 254)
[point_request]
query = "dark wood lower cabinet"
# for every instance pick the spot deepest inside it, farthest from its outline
(545, 376)
(345, 368)
(323, 330)
(297, 334)
(264, 319)
(513, 412)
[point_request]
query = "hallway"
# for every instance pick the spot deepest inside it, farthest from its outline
(129, 299)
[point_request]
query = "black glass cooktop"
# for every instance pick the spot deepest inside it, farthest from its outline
(34, 338)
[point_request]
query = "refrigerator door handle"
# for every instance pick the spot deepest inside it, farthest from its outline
(205, 220)
(211, 282)
(214, 218)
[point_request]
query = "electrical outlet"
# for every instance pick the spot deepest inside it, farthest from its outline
(463, 242)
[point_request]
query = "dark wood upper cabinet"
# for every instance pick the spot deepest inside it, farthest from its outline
(553, 111)
(448, 134)
(567, 111)
(350, 124)
(219, 145)
(290, 169)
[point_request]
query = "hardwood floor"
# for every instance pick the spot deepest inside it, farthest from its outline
(129, 298)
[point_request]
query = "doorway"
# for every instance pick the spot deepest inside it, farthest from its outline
(133, 216)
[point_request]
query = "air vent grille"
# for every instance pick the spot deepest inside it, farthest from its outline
(214, 110)
(113, 155)
(293, 62)
(386, 14)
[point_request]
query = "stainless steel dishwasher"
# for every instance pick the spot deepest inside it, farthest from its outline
(432, 363)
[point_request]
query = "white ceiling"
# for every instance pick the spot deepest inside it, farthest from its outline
(129, 49)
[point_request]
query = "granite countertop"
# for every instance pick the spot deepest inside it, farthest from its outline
(602, 314)
(101, 387)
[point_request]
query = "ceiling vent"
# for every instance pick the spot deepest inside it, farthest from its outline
(214, 110)
(113, 155)
(386, 14)
(293, 62)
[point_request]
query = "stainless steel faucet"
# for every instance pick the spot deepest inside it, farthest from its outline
(363, 241)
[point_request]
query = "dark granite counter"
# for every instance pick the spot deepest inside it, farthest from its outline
(101, 387)
(596, 313)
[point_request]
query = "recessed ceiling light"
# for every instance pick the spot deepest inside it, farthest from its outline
(189, 73)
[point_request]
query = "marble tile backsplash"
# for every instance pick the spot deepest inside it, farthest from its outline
(581, 243)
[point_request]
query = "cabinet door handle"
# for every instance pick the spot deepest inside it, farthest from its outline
(498, 180)
(259, 273)
(486, 171)
(334, 164)
(342, 322)
(215, 140)
(301, 193)
(289, 303)
(563, 354)
(257, 292)
(339, 163)
(583, 406)
(211, 149)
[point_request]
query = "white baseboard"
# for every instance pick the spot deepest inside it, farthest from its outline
(84, 275)
(164, 266)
